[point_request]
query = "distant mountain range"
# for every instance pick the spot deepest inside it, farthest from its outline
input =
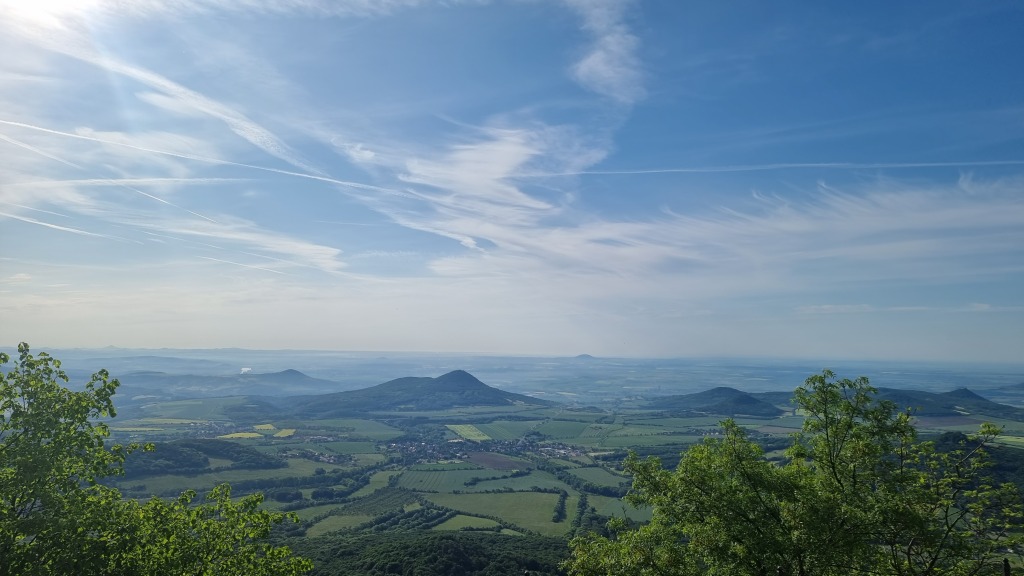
(292, 393)
(724, 401)
(178, 386)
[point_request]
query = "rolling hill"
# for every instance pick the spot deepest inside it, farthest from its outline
(452, 390)
(171, 386)
(957, 402)
(724, 401)
(721, 401)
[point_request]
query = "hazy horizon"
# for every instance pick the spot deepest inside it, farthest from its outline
(611, 177)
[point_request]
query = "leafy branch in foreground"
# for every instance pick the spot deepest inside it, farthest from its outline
(55, 518)
(860, 494)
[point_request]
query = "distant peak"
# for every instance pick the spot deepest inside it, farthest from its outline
(965, 393)
(457, 374)
(458, 377)
(584, 357)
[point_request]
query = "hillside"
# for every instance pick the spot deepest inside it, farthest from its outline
(721, 401)
(724, 401)
(163, 385)
(957, 402)
(452, 390)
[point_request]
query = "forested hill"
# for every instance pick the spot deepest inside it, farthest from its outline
(957, 402)
(721, 401)
(166, 385)
(452, 390)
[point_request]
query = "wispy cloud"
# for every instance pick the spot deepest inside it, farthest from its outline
(610, 66)
(172, 95)
(787, 166)
(126, 142)
(242, 265)
(56, 226)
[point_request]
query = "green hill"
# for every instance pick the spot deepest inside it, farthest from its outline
(171, 386)
(452, 390)
(960, 401)
(721, 401)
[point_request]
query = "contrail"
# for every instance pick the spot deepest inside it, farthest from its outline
(243, 265)
(782, 166)
(132, 181)
(31, 148)
(56, 227)
(356, 185)
(110, 181)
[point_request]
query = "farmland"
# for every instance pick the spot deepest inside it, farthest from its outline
(502, 470)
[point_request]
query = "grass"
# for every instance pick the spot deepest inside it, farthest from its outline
(169, 483)
(378, 480)
(264, 427)
(164, 421)
(608, 506)
(313, 511)
(462, 521)
(336, 522)
(195, 410)
(530, 510)
(508, 429)
(599, 476)
(369, 429)
(468, 431)
(449, 465)
(241, 435)
(537, 478)
(562, 429)
(439, 480)
(343, 447)
(285, 433)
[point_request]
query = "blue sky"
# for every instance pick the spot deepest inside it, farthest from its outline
(657, 178)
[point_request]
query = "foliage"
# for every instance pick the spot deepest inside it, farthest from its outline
(220, 537)
(55, 517)
(859, 494)
(473, 553)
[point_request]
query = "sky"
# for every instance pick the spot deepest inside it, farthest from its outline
(652, 179)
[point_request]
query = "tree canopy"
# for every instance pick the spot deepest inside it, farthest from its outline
(57, 518)
(859, 493)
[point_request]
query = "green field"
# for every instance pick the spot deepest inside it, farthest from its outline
(562, 429)
(462, 521)
(195, 410)
(439, 480)
(468, 431)
(336, 522)
(173, 483)
(357, 427)
(599, 476)
(377, 481)
(537, 478)
(345, 447)
(607, 506)
(530, 510)
(508, 429)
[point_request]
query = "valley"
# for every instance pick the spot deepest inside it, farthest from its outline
(452, 455)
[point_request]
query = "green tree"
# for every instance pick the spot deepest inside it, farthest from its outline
(860, 494)
(56, 518)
